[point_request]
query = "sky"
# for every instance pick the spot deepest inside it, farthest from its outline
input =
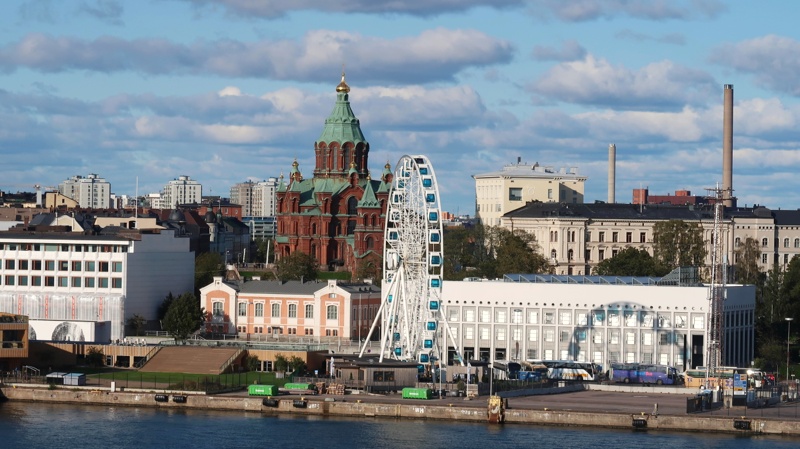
(226, 91)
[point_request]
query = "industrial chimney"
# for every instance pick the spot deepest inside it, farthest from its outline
(612, 173)
(727, 147)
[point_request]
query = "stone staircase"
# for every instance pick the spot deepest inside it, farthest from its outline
(192, 359)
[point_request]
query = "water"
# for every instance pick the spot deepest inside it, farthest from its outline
(37, 425)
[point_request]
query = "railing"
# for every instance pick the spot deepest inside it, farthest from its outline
(230, 360)
(147, 357)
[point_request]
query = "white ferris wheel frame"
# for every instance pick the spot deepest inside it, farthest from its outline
(410, 315)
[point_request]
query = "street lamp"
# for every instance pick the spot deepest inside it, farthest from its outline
(788, 332)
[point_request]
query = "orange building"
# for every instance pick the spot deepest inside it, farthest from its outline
(300, 311)
(13, 342)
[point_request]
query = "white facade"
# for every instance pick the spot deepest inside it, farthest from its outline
(105, 279)
(256, 198)
(182, 190)
(91, 192)
(499, 192)
(601, 323)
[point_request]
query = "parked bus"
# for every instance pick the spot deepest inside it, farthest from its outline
(570, 370)
(644, 373)
(699, 376)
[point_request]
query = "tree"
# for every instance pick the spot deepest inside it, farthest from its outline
(517, 252)
(677, 243)
(137, 322)
(297, 266)
(629, 262)
(370, 267)
(184, 316)
(95, 357)
(746, 257)
(252, 363)
(262, 246)
(281, 363)
(206, 266)
(296, 364)
(162, 309)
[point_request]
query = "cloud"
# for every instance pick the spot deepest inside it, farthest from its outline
(37, 11)
(594, 81)
(272, 9)
(671, 38)
(570, 50)
(109, 11)
(433, 55)
(586, 10)
(773, 60)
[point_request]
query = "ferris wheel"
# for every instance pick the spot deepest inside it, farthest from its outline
(410, 312)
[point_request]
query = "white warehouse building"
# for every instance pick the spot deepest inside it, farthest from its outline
(594, 319)
(85, 287)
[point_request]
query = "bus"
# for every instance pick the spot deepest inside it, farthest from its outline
(644, 373)
(699, 377)
(570, 370)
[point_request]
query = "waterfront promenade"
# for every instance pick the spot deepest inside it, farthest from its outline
(591, 408)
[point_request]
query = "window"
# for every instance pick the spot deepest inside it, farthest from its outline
(647, 338)
(764, 258)
(533, 317)
(501, 316)
(613, 318)
(601, 236)
(469, 315)
(484, 333)
(764, 241)
(797, 243)
(36, 281)
(116, 282)
(549, 194)
(697, 322)
(501, 333)
(9, 280)
(63, 281)
(89, 266)
(485, 316)
(103, 267)
(601, 255)
(564, 336)
(452, 314)
(549, 335)
(614, 337)
(103, 282)
(515, 194)
(333, 312)
(76, 282)
(615, 236)
(116, 267)
(216, 308)
(50, 265)
(276, 310)
(565, 318)
(309, 311)
(63, 265)
(642, 237)
(76, 266)
(548, 317)
(242, 311)
(469, 333)
(532, 354)
(10, 264)
(533, 334)
(259, 309)
(292, 310)
(36, 265)
(597, 337)
(628, 237)
(786, 242)
(88, 282)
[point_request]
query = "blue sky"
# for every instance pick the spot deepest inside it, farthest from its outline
(230, 90)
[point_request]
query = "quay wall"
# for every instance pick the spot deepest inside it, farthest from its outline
(414, 409)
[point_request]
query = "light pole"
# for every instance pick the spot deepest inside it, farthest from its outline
(788, 332)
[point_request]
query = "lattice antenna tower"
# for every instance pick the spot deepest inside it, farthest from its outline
(716, 294)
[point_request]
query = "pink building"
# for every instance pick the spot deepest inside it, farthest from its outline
(293, 310)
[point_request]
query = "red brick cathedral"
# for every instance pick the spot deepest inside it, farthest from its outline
(337, 215)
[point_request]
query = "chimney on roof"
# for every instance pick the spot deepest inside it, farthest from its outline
(727, 146)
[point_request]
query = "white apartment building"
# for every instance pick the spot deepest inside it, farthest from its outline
(91, 285)
(91, 192)
(601, 320)
(499, 192)
(182, 190)
(256, 198)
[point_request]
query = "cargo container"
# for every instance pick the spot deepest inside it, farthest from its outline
(417, 393)
(262, 390)
(299, 386)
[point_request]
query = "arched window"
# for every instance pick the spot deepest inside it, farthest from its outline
(309, 311)
(786, 243)
(570, 254)
(352, 206)
(797, 243)
(313, 229)
(553, 254)
(292, 310)
(369, 242)
(764, 242)
(332, 312)
(737, 242)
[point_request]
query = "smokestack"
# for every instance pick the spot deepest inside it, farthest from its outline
(612, 172)
(727, 147)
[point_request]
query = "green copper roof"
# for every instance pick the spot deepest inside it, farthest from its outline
(342, 125)
(369, 199)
